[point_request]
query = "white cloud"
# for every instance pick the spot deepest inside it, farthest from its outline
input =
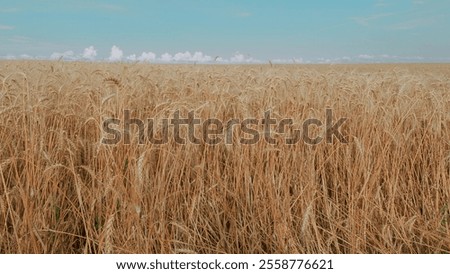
(387, 56)
(8, 57)
(6, 27)
(26, 57)
(241, 58)
(147, 57)
(288, 61)
(132, 58)
(182, 56)
(186, 56)
(365, 56)
(89, 53)
(383, 58)
(116, 54)
(238, 58)
(200, 57)
(64, 55)
(220, 59)
(324, 60)
(280, 61)
(166, 57)
(22, 57)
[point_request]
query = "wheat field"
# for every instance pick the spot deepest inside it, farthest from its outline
(385, 190)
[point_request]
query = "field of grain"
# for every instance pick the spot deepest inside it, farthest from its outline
(386, 190)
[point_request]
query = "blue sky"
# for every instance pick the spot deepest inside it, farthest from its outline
(227, 31)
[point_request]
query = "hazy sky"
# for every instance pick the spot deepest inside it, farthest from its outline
(237, 31)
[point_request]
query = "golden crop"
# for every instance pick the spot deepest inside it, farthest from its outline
(387, 190)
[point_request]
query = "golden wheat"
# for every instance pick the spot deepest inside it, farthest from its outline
(385, 191)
